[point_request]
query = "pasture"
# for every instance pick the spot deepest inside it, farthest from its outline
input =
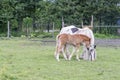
(31, 60)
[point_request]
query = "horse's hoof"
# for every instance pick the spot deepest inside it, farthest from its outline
(58, 60)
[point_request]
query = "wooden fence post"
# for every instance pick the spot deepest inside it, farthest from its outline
(62, 22)
(8, 29)
(92, 21)
(53, 29)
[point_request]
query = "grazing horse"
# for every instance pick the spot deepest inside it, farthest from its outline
(86, 55)
(75, 40)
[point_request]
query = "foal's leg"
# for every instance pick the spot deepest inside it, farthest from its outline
(57, 56)
(57, 53)
(74, 50)
(64, 51)
(83, 55)
(67, 51)
(77, 52)
(58, 50)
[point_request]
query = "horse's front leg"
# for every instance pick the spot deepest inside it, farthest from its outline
(73, 51)
(77, 55)
(67, 50)
(83, 52)
(77, 52)
(92, 56)
(64, 52)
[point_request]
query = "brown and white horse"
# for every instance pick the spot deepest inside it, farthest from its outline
(75, 40)
(86, 55)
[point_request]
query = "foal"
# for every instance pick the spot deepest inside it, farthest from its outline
(75, 40)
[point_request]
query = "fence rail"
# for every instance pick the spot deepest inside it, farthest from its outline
(118, 26)
(107, 29)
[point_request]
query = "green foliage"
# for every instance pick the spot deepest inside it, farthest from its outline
(27, 21)
(3, 35)
(14, 24)
(106, 31)
(98, 35)
(47, 11)
(42, 35)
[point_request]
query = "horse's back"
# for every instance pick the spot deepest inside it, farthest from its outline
(67, 29)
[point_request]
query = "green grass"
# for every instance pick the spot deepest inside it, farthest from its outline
(29, 60)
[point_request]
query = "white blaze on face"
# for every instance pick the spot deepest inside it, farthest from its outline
(92, 52)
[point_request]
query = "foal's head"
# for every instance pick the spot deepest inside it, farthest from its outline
(89, 47)
(86, 41)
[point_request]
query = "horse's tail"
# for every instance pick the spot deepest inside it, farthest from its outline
(57, 40)
(57, 37)
(57, 44)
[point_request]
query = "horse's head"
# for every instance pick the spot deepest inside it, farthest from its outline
(92, 52)
(91, 48)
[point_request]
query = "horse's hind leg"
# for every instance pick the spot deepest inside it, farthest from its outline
(66, 51)
(57, 53)
(57, 57)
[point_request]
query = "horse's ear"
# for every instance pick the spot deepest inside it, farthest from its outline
(94, 46)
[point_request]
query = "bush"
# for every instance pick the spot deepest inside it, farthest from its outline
(3, 35)
(45, 35)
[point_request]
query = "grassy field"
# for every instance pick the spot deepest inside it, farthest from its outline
(29, 60)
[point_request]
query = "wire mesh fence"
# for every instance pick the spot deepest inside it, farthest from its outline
(107, 29)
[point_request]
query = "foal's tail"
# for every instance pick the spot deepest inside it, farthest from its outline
(57, 44)
(57, 39)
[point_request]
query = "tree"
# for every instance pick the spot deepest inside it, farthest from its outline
(27, 22)
(49, 11)
(6, 16)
